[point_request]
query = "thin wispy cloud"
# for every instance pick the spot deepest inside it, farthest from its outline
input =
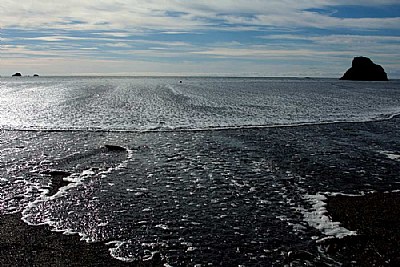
(257, 34)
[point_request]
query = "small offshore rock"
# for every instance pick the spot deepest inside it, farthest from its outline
(54, 173)
(363, 69)
(114, 148)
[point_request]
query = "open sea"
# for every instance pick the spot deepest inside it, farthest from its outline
(196, 171)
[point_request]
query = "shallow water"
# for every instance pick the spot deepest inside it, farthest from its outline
(235, 197)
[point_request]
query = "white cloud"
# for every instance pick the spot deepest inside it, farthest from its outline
(178, 15)
(114, 34)
(52, 38)
(383, 43)
(121, 45)
(335, 38)
(265, 53)
(175, 32)
(164, 43)
(78, 28)
(23, 51)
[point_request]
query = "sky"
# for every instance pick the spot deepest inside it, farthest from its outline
(204, 37)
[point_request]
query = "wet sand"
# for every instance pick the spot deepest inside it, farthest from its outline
(25, 245)
(338, 157)
(376, 218)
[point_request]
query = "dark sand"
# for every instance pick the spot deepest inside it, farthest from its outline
(24, 245)
(376, 218)
(338, 157)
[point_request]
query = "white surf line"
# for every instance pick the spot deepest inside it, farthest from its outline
(118, 244)
(148, 249)
(122, 165)
(318, 218)
(391, 155)
(179, 128)
(75, 179)
(114, 251)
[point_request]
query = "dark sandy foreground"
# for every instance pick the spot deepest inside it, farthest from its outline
(376, 218)
(339, 157)
(25, 245)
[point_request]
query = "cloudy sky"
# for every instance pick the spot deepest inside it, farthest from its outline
(203, 37)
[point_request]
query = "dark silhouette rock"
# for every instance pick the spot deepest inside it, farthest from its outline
(18, 74)
(115, 148)
(35, 75)
(57, 180)
(363, 69)
(55, 173)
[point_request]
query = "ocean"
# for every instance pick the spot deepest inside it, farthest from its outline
(141, 104)
(198, 171)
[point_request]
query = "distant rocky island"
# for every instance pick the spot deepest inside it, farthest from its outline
(18, 74)
(363, 69)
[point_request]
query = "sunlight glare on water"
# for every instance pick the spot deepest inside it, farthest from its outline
(197, 103)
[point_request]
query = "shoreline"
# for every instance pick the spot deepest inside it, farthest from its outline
(375, 244)
(212, 128)
(25, 245)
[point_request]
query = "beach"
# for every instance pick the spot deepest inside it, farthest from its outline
(24, 245)
(200, 133)
(355, 165)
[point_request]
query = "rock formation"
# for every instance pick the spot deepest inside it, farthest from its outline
(363, 69)
(17, 74)
(114, 148)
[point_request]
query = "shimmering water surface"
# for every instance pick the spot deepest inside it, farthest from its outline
(196, 103)
(201, 175)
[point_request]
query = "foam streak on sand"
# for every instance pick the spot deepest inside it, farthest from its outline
(391, 155)
(318, 218)
(33, 213)
(115, 249)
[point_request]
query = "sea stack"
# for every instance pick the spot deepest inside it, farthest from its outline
(18, 74)
(363, 69)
